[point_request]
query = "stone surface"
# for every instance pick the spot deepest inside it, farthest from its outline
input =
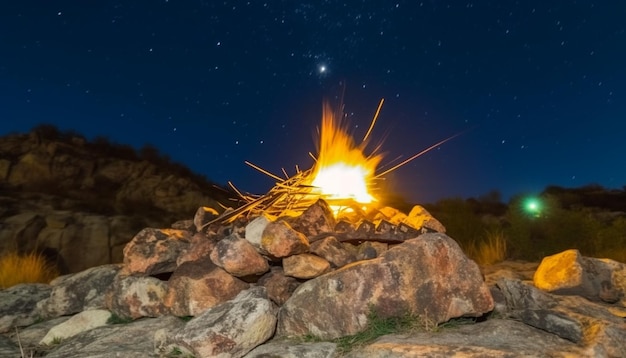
(428, 276)
(137, 296)
(230, 329)
(203, 216)
(493, 338)
(129, 340)
(370, 249)
(305, 266)
(281, 240)
(199, 246)
(18, 304)
(333, 251)
(78, 323)
(279, 287)
(570, 317)
(570, 273)
(291, 349)
(254, 230)
(238, 257)
(421, 218)
(315, 220)
(571, 326)
(198, 285)
(390, 214)
(153, 251)
(78, 292)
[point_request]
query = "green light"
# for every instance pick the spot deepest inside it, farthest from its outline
(533, 206)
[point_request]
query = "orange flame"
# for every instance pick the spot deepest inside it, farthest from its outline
(342, 170)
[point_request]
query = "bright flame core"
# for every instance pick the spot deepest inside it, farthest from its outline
(342, 170)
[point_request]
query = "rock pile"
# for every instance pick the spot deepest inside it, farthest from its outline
(246, 288)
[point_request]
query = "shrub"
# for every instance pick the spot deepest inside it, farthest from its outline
(16, 268)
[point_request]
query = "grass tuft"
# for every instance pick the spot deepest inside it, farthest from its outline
(116, 319)
(377, 327)
(16, 268)
(492, 250)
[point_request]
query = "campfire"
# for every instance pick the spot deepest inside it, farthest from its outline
(343, 175)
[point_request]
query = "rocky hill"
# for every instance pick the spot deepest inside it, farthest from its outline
(81, 201)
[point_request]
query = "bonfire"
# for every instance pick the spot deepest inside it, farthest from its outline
(343, 175)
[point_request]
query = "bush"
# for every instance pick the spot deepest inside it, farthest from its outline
(18, 268)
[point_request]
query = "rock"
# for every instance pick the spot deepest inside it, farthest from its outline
(130, 340)
(570, 273)
(392, 215)
(305, 266)
(428, 276)
(29, 337)
(333, 251)
(18, 304)
(492, 338)
(78, 292)
(154, 251)
(204, 214)
(199, 246)
(279, 287)
(370, 249)
(291, 349)
(79, 323)
(254, 230)
(315, 220)
(421, 218)
(198, 285)
(137, 296)
(573, 318)
(238, 257)
(230, 329)
(8, 348)
(280, 240)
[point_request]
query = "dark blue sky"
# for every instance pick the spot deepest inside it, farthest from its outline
(538, 88)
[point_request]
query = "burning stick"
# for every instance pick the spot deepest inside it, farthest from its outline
(341, 175)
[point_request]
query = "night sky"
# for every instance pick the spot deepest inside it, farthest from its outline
(537, 88)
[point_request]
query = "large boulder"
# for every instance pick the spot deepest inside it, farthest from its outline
(570, 273)
(428, 276)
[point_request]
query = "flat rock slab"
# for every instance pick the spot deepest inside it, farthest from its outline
(492, 338)
(293, 349)
(135, 339)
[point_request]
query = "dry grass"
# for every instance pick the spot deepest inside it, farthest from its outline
(16, 268)
(491, 250)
